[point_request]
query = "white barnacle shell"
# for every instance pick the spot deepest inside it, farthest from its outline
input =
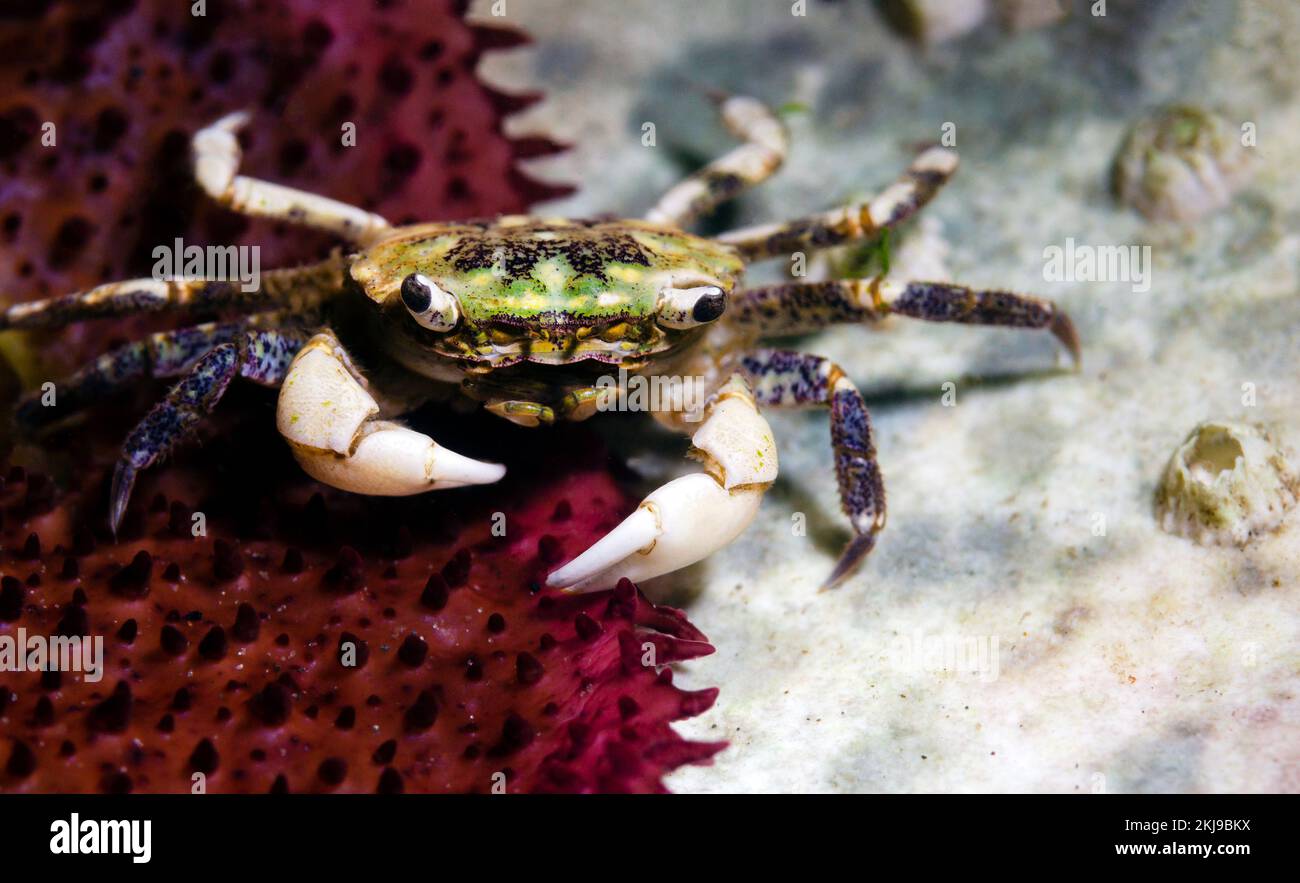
(1226, 484)
(935, 21)
(1180, 164)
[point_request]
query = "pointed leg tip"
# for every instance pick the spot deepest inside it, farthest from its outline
(1062, 329)
(120, 494)
(850, 559)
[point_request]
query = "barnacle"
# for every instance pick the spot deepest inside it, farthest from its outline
(1227, 483)
(935, 21)
(939, 21)
(1181, 164)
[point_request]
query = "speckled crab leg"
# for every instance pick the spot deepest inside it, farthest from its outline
(261, 355)
(331, 422)
(783, 378)
(216, 160)
(929, 171)
(799, 307)
(296, 288)
(691, 517)
(765, 148)
(165, 354)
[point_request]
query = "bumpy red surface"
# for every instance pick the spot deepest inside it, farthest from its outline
(125, 85)
(223, 650)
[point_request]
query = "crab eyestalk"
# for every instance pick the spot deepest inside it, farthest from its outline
(682, 308)
(428, 304)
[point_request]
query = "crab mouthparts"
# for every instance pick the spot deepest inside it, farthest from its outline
(558, 327)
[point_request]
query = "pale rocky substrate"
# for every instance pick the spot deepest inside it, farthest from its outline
(1137, 661)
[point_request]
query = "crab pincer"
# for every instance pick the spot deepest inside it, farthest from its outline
(333, 428)
(691, 517)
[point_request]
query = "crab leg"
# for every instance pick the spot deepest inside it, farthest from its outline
(691, 517)
(165, 354)
(799, 307)
(261, 355)
(929, 171)
(788, 379)
(331, 422)
(216, 159)
(296, 288)
(765, 147)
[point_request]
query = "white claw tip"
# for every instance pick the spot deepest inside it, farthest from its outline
(584, 573)
(451, 469)
(233, 122)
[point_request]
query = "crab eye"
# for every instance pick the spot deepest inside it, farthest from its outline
(687, 307)
(431, 307)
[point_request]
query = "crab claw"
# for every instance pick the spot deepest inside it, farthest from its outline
(391, 460)
(217, 153)
(332, 425)
(691, 517)
(682, 522)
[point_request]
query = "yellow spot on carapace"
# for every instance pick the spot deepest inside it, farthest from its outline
(550, 274)
(630, 275)
(532, 300)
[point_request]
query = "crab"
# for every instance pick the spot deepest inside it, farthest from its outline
(526, 315)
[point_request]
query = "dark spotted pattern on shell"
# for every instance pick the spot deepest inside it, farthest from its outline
(515, 257)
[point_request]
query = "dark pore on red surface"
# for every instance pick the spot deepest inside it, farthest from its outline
(223, 650)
